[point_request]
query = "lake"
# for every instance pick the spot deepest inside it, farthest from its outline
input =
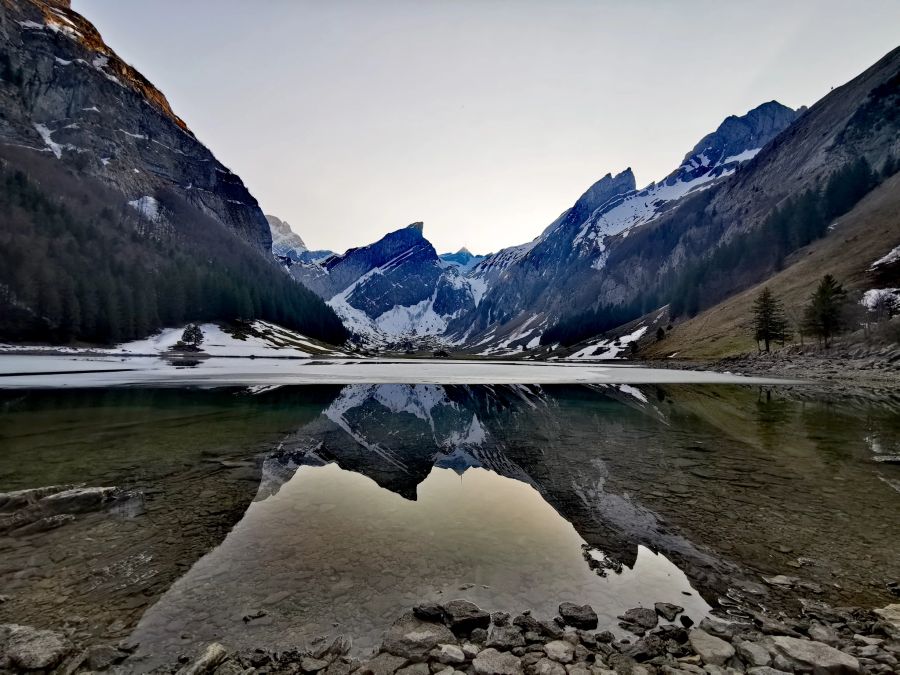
(265, 513)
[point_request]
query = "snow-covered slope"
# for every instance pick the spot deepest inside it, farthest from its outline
(393, 291)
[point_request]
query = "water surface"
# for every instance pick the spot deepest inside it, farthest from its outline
(333, 509)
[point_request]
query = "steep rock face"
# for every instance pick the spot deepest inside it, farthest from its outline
(527, 288)
(396, 288)
(285, 242)
(66, 93)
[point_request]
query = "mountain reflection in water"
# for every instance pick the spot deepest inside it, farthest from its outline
(347, 505)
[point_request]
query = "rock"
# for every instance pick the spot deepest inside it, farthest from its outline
(382, 664)
(339, 666)
(646, 648)
(310, 665)
(753, 653)
(101, 657)
(547, 666)
(578, 669)
(451, 654)
(254, 614)
(580, 616)
(782, 580)
(641, 616)
(464, 616)
(667, 610)
(561, 651)
(79, 500)
(412, 638)
(816, 655)
(229, 667)
(822, 633)
(470, 650)
(500, 618)
(417, 669)
(492, 662)
(505, 637)
(33, 649)
(625, 665)
(605, 637)
(711, 649)
(429, 612)
(891, 615)
(527, 623)
(717, 627)
(765, 670)
(686, 621)
(207, 662)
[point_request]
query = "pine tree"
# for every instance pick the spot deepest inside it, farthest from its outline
(769, 323)
(824, 315)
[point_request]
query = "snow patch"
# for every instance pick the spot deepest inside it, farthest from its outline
(611, 347)
(892, 256)
(148, 207)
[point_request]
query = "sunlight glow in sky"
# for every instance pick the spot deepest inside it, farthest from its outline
(483, 118)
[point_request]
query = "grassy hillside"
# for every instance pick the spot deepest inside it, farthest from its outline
(857, 239)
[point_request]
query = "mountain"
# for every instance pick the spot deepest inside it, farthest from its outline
(463, 259)
(118, 219)
(285, 242)
(529, 287)
(393, 290)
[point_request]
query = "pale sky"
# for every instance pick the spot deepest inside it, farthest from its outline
(483, 118)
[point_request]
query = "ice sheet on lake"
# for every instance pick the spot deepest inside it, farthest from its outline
(29, 371)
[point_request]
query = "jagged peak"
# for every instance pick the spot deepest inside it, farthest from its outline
(418, 225)
(463, 251)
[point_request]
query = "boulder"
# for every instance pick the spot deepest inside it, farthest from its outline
(667, 610)
(450, 654)
(381, 664)
(429, 612)
(493, 662)
(753, 653)
(505, 637)
(561, 651)
(417, 669)
(33, 649)
(464, 616)
(412, 638)
(817, 656)
(712, 650)
(308, 664)
(547, 666)
(641, 616)
(580, 616)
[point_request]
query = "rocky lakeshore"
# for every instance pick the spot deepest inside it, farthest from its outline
(459, 638)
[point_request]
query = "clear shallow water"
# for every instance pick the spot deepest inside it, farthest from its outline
(346, 505)
(331, 552)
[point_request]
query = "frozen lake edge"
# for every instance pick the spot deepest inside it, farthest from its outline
(76, 371)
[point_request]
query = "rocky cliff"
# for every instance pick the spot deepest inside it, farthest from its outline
(67, 94)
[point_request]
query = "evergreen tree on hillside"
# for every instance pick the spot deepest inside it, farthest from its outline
(824, 315)
(769, 323)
